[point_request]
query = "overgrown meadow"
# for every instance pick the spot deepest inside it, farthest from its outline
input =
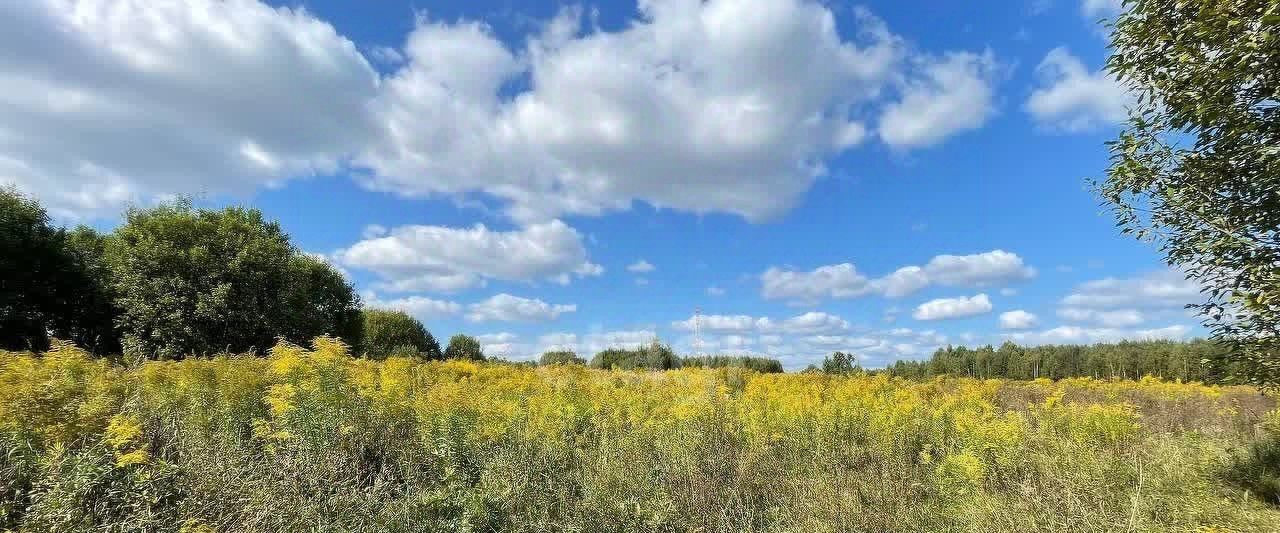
(316, 440)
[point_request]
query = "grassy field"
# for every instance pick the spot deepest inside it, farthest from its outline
(315, 440)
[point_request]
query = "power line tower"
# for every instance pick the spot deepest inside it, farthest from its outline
(697, 332)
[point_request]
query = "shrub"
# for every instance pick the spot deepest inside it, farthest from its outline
(198, 281)
(1256, 468)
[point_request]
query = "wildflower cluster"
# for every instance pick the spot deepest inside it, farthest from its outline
(317, 439)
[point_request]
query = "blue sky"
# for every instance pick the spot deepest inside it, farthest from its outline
(882, 178)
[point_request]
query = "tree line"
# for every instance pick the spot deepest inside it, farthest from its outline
(174, 280)
(658, 356)
(1200, 360)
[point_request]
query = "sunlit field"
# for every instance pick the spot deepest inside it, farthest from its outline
(316, 440)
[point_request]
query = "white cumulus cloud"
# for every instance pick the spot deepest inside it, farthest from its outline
(114, 102)
(955, 94)
(1018, 319)
(1112, 319)
(641, 267)
(445, 259)
(809, 323)
(1101, 8)
(418, 306)
(831, 281)
(1162, 289)
(844, 281)
(507, 308)
(721, 323)
(977, 270)
(725, 105)
(947, 308)
(1079, 335)
(497, 338)
(1071, 98)
(587, 345)
(731, 106)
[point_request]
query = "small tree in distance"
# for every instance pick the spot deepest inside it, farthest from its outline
(395, 333)
(464, 347)
(841, 363)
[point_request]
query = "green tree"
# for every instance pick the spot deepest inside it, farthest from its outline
(318, 300)
(93, 311)
(464, 347)
(389, 333)
(32, 263)
(51, 281)
(1197, 169)
(561, 357)
(841, 363)
(201, 281)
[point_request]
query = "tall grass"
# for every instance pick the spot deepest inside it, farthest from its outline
(315, 440)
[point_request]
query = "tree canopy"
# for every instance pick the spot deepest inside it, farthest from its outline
(841, 363)
(174, 281)
(30, 270)
(198, 281)
(317, 301)
(1197, 168)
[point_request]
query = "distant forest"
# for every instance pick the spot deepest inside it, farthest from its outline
(1204, 361)
(1198, 360)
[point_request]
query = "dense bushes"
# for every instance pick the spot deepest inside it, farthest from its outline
(561, 357)
(317, 440)
(1256, 466)
(175, 280)
(656, 356)
(759, 364)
